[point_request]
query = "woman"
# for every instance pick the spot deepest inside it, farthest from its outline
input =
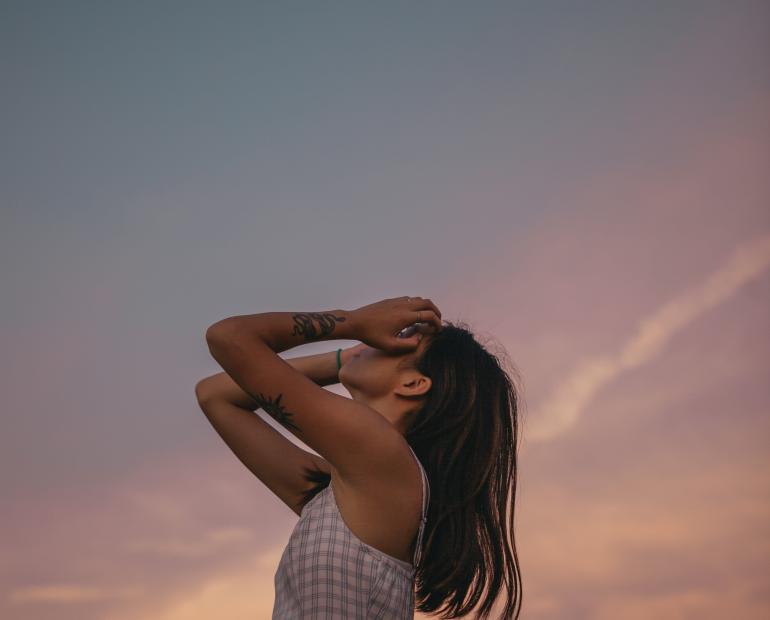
(416, 479)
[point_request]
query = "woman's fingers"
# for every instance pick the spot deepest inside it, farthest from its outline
(423, 327)
(422, 303)
(431, 318)
(435, 309)
(426, 328)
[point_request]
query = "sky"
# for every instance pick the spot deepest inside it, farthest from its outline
(584, 185)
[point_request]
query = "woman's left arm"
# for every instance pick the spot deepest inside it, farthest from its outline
(286, 330)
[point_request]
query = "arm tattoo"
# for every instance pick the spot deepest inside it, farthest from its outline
(276, 410)
(304, 324)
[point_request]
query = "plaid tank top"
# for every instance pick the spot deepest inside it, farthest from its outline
(327, 572)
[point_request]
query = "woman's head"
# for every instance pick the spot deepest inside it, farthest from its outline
(389, 383)
(457, 405)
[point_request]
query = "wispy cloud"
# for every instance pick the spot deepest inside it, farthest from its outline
(62, 594)
(244, 593)
(207, 544)
(563, 408)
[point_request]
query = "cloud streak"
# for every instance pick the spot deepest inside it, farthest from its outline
(567, 402)
(62, 594)
(211, 543)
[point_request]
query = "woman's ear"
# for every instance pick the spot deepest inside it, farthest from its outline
(413, 384)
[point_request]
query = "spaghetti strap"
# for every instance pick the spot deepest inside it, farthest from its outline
(424, 513)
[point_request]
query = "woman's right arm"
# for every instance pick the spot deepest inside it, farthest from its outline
(319, 367)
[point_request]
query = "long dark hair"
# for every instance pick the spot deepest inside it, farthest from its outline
(465, 436)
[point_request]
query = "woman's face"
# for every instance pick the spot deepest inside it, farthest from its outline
(371, 374)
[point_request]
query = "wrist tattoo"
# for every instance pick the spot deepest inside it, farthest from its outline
(304, 324)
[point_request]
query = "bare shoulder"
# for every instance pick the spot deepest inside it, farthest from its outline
(397, 472)
(383, 508)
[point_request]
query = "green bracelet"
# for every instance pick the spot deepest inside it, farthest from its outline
(339, 365)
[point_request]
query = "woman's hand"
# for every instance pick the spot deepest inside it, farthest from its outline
(379, 324)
